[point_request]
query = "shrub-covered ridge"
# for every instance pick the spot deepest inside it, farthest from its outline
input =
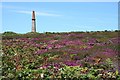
(75, 55)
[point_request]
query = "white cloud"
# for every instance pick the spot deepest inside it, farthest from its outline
(24, 12)
(39, 13)
(47, 14)
(11, 7)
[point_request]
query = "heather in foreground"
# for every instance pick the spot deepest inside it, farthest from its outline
(74, 55)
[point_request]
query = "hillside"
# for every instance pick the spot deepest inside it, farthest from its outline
(79, 55)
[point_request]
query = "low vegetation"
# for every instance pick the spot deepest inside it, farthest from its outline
(73, 55)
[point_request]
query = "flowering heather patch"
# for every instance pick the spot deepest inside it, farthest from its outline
(75, 55)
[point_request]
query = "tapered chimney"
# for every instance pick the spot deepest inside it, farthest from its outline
(33, 22)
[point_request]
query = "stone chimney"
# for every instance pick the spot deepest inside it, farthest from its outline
(33, 22)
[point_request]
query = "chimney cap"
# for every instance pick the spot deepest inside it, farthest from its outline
(33, 14)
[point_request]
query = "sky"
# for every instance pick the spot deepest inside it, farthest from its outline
(59, 16)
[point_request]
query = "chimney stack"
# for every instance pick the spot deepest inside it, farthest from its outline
(33, 22)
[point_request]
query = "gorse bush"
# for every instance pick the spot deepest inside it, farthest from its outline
(9, 33)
